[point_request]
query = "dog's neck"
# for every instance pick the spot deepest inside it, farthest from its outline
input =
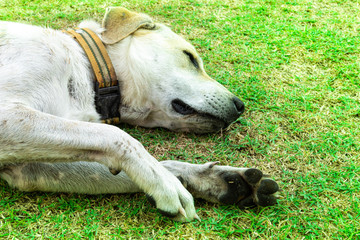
(107, 90)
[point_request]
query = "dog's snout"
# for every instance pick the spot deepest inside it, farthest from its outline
(239, 105)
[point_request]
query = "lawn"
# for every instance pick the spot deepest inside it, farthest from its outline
(296, 66)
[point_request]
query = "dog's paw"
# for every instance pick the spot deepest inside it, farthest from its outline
(248, 188)
(180, 216)
(245, 187)
(174, 201)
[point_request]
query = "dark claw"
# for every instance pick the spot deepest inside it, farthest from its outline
(114, 171)
(268, 186)
(253, 175)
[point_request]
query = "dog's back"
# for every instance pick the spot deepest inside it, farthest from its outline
(46, 69)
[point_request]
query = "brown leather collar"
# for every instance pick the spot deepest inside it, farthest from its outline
(107, 90)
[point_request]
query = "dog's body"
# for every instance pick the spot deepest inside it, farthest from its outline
(51, 138)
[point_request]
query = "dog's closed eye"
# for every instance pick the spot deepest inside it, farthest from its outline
(192, 58)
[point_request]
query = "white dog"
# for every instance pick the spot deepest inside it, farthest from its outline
(51, 137)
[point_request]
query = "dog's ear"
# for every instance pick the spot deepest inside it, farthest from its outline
(120, 23)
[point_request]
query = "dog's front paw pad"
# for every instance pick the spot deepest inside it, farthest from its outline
(268, 186)
(265, 193)
(238, 189)
(266, 200)
(247, 202)
(248, 189)
(253, 175)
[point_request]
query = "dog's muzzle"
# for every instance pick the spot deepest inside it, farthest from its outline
(233, 112)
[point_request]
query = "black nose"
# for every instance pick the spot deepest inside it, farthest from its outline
(239, 105)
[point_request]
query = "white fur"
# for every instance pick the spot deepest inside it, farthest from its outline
(48, 117)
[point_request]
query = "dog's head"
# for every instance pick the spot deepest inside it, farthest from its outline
(163, 81)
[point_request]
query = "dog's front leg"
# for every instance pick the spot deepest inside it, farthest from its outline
(27, 135)
(245, 187)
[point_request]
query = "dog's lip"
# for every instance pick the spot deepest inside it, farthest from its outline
(184, 109)
(216, 119)
(210, 126)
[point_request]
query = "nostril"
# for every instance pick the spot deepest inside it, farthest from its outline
(239, 105)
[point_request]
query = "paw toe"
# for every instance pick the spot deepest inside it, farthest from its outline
(162, 212)
(246, 203)
(268, 186)
(253, 175)
(266, 200)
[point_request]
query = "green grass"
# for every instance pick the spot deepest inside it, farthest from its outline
(296, 66)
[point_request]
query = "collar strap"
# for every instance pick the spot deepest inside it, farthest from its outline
(107, 91)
